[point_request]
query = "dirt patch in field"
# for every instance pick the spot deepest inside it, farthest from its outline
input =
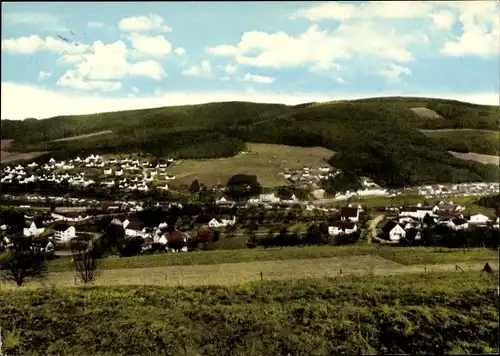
(426, 113)
(83, 136)
(486, 159)
(6, 157)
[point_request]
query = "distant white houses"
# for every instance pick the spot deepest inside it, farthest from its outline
(268, 198)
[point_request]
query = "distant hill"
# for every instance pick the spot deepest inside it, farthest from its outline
(376, 137)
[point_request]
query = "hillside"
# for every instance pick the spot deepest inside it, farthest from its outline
(377, 137)
(431, 313)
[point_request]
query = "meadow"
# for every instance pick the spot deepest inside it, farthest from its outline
(421, 313)
(401, 255)
(264, 160)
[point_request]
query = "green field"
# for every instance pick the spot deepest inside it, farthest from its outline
(433, 313)
(264, 160)
(402, 255)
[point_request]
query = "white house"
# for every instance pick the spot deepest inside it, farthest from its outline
(394, 231)
(268, 198)
(226, 222)
(64, 233)
(478, 219)
(33, 230)
(342, 227)
(119, 173)
(214, 223)
(221, 201)
(108, 172)
(458, 224)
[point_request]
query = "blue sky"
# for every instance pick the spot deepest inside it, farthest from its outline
(74, 58)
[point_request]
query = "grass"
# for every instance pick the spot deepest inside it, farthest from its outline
(436, 313)
(403, 255)
(477, 157)
(264, 160)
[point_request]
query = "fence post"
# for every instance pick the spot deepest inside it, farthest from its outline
(340, 270)
(261, 276)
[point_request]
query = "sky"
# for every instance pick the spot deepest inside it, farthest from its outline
(85, 57)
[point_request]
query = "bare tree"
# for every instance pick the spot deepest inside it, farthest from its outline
(24, 260)
(86, 259)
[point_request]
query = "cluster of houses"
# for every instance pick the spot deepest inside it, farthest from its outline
(57, 172)
(464, 189)
(307, 175)
(408, 221)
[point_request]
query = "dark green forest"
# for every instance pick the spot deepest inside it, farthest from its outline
(378, 138)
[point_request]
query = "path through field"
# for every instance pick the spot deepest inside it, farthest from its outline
(237, 273)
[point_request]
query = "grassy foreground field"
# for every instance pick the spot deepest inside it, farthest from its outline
(264, 160)
(440, 313)
(402, 255)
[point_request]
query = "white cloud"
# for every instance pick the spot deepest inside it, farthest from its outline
(203, 69)
(47, 103)
(46, 21)
(71, 79)
(96, 24)
(394, 72)
(366, 11)
(107, 62)
(321, 49)
(480, 29)
(340, 80)
(443, 19)
(155, 46)
(143, 23)
(258, 78)
(230, 69)
(180, 51)
(135, 89)
(43, 75)
(34, 43)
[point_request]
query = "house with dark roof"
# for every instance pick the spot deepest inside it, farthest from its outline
(134, 228)
(413, 234)
(458, 224)
(351, 214)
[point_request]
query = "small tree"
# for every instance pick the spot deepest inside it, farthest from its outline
(86, 259)
(195, 186)
(25, 260)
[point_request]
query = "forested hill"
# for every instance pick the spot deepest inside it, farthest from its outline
(378, 137)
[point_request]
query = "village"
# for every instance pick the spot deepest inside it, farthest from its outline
(225, 216)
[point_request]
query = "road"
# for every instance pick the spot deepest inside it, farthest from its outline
(373, 229)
